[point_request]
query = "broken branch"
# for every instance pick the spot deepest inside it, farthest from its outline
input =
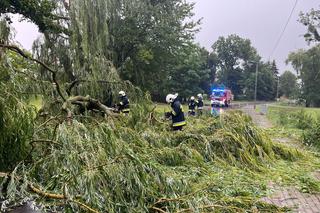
(25, 55)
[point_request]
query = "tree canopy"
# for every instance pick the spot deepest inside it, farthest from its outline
(307, 65)
(41, 12)
(288, 85)
(312, 21)
(236, 60)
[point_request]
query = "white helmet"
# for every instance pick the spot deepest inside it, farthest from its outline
(170, 98)
(199, 95)
(192, 98)
(122, 93)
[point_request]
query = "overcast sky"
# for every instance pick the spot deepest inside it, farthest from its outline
(259, 20)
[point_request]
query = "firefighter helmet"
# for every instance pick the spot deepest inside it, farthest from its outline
(122, 93)
(170, 98)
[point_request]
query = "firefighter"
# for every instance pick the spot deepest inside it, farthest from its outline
(177, 115)
(192, 106)
(123, 106)
(200, 104)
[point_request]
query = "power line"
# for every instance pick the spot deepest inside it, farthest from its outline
(284, 29)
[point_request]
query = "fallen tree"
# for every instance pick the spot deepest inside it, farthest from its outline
(146, 168)
(84, 101)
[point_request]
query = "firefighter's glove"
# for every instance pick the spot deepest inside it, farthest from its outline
(167, 114)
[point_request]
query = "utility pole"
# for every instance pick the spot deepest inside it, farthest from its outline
(278, 84)
(256, 85)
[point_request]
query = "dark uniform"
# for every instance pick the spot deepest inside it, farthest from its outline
(178, 120)
(200, 106)
(192, 107)
(124, 106)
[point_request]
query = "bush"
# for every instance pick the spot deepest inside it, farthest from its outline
(303, 120)
(311, 136)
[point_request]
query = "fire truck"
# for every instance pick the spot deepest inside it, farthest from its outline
(221, 97)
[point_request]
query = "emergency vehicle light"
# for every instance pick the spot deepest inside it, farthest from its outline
(218, 90)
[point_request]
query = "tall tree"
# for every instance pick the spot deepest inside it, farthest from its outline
(192, 74)
(83, 59)
(276, 76)
(266, 82)
(233, 53)
(152, 36)
(307, 65)
(288, 85)
(312, 21)
(213, 63)
(274, 68)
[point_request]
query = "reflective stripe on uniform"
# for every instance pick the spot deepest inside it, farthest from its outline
(182, 123)
(200, 107)
(174, 113)
(126, 110)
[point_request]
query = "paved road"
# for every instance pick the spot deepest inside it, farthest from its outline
(258, 118)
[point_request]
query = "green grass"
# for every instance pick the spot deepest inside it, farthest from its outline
(314, 112)
(301, 125)
(292, 117)
(161, 108)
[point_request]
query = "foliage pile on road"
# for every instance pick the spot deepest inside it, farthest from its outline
(134, 164)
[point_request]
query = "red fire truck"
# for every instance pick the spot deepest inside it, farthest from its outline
(221, 97)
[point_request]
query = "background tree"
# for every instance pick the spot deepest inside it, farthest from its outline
(192, 74)
(312, 21)
(307, 65)
(234, 60)
(288, 85)
(274, 68)
(213, 63)
(276, 76)
(232, 53)
(266, 84)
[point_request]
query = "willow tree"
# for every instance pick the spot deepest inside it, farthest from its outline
(16, 117)
(60, 62)
(143, 39)
(83, 58)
